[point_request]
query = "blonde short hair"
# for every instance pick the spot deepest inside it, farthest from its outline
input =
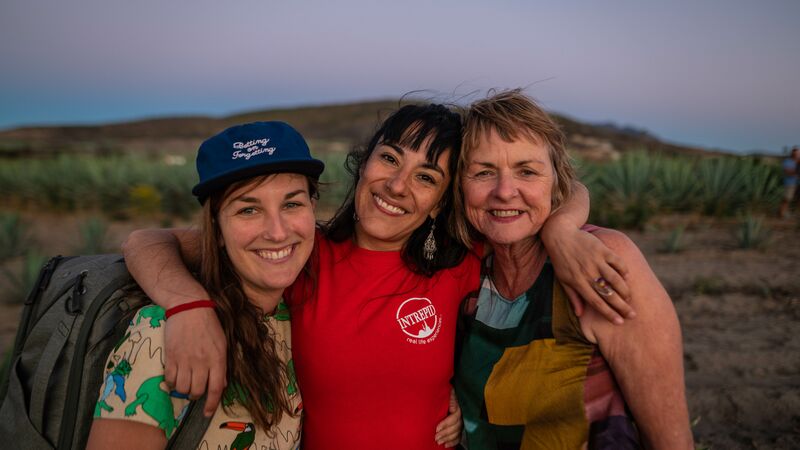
(513, 115)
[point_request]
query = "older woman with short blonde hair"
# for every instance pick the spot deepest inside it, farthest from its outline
(530, 373)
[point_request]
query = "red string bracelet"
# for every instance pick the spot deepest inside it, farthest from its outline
(190, 305)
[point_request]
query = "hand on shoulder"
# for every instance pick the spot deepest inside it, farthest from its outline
(646, 294)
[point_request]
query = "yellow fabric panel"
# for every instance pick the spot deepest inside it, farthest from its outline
(541, 385)
(554, 435)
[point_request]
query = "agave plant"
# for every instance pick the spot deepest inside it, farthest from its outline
(22, 282)
(174, 184)
(675, 241)
(761, 186)
(752, 232)
(589, 174)
(85, 183)
(335, 180)
(626, 197)
(13, 236)
(675, 184)
(721, 180)
(117, 177)
(93, 236)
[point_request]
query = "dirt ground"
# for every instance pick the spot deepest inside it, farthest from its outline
(739, 310)
(740, 315)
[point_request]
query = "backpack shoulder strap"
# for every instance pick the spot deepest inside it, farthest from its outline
(192, 428)
(110, 286)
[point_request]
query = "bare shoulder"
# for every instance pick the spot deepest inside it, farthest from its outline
(616, 240)
(640, 274)
(624, 247)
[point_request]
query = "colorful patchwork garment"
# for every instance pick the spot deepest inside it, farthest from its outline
(527, 378)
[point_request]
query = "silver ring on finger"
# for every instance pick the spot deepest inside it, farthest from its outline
(602, 287)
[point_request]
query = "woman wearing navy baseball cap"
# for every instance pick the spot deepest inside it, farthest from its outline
(373, 324)
(258, 188)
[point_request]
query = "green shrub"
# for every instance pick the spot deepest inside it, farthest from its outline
(752, 232)
(674, 243)
(75, 183)
(116, 179)
(625, 193)
(733, 185)
(145, 200)
(589, 174)
(730, 186)
(720, 181)
(625, 197)
(761, 188)
(711, 285)
(675, 184)
(21, 282)
(13, 237)
(93, 237)
(174, 184)
(334, 181)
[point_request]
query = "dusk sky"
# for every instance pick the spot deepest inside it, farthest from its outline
(722, 74)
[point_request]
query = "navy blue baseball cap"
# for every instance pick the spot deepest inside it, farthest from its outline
(244, 151)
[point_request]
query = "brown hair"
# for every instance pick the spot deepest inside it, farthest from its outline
(513, 115)
(257, 374)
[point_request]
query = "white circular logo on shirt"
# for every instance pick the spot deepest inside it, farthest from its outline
(419, 320)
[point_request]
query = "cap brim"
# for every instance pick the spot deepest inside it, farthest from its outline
(312, 168)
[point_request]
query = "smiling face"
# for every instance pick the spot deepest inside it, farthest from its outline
(507, 188)
(397, 191)
(267, 229)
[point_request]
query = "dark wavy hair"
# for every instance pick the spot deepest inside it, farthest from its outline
(410, 126)
(253, 362)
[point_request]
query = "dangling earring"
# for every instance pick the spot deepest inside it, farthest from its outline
(429, 248)
(355, 217)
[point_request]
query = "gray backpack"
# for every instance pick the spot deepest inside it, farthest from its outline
(76, 313)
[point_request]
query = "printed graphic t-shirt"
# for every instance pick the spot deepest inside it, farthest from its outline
(374, 348)
(134, 388)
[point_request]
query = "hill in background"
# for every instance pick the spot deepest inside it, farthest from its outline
(329, 128)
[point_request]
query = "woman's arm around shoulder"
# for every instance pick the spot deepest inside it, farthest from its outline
(155, 258)
(579, 258)
(646, 354)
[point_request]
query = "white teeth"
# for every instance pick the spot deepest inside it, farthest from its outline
(505, 212)
(275, 254)
(388, 207)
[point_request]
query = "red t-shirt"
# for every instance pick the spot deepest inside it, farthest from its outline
(373, 348)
